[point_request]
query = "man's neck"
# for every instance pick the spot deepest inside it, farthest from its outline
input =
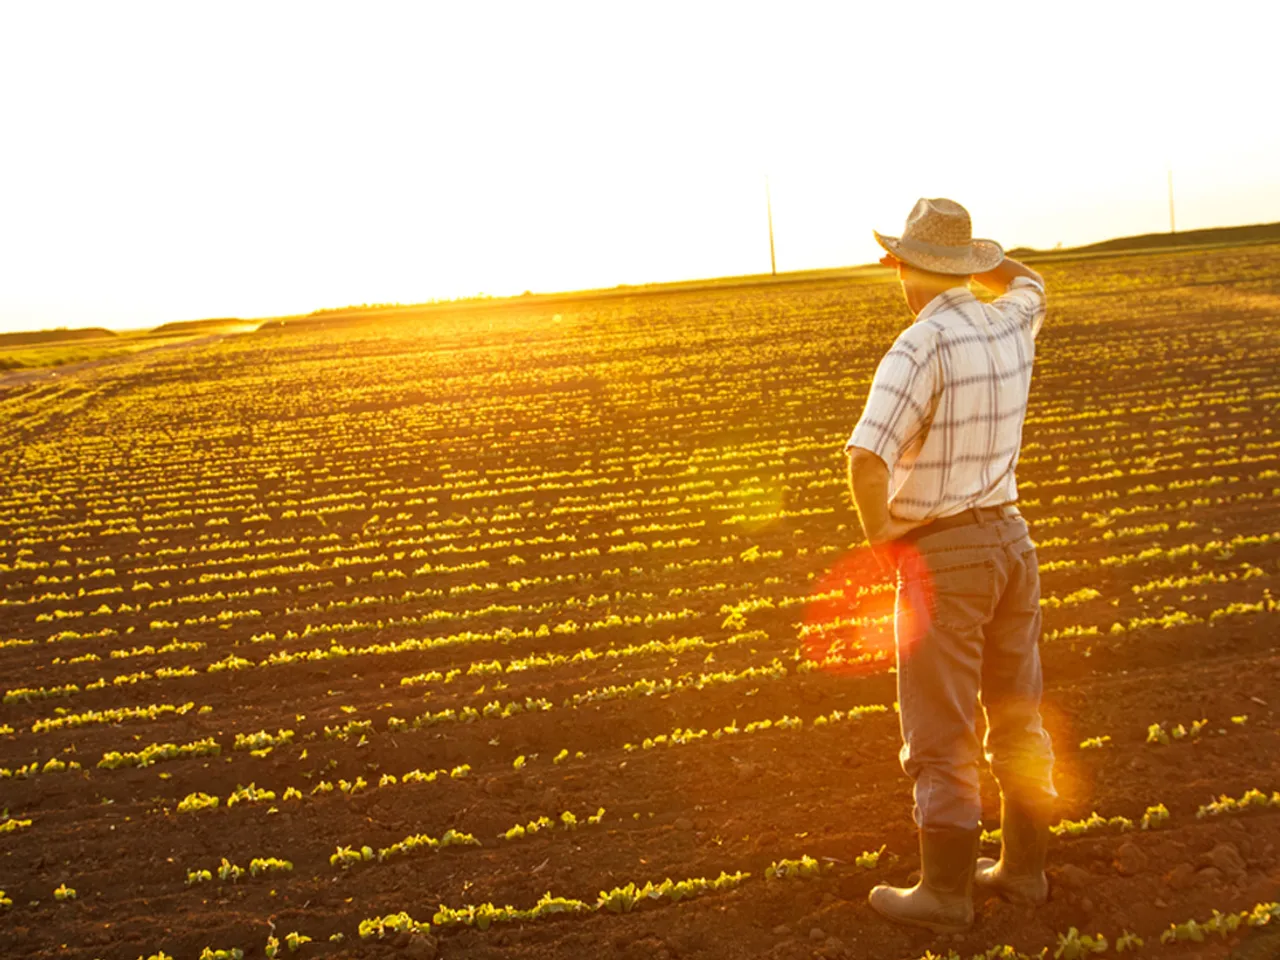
(920, 297)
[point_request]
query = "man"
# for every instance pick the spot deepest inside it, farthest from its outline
(931, 470)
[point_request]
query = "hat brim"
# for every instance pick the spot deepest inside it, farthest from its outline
(981, 256)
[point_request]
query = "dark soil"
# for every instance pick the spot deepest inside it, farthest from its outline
(324, 469)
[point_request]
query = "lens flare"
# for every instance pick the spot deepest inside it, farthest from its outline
(849, 623)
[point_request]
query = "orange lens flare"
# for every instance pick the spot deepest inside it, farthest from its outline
(850, 619)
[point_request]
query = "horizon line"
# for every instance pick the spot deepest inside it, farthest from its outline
(766, 277)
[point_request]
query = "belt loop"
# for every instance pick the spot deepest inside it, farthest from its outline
(977, 515)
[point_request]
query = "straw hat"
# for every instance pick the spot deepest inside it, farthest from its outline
(938, 237)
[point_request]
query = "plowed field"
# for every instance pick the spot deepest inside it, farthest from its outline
(366, 596)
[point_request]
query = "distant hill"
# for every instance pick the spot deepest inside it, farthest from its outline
(1254, 233)
(184, 327)
(54, 336)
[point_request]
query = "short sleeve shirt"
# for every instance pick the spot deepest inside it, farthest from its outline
(947, 402)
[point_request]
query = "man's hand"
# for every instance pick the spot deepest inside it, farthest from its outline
(1002, 276)
(884, 546)
(892, 530)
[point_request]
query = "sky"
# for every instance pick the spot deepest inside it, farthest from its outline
(173, 161)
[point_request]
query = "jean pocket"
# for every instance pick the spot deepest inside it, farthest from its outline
(962, 596)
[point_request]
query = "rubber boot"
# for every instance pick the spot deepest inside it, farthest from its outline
(1018, 875)
(943, 899)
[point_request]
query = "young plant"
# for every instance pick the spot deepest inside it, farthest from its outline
(269, 865)
(419, 841)
(249, 794)
(262, 740)
(1179, 932)
(805, 867)
(1094, 822)
(869, 859)
(64, 893)
(620, 899)
(295, 940)
(155, 752)
(1155, 816)
(1076, 946)
(347, 857)
(197, 801)
(351, 788)
(1224, 924)
(229, 871)
(1128, 941)
(1225, 804)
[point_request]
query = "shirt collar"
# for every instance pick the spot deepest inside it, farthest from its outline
(946, 300)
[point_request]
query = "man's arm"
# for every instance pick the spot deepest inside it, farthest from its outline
(999, 279)
(869, 486)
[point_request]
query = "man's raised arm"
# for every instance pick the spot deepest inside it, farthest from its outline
(999, 279)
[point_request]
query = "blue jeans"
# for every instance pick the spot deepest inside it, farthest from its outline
(967, 625)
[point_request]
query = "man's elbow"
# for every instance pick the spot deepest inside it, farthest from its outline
(864, 463)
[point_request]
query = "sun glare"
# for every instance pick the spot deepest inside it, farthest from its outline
(412, 153)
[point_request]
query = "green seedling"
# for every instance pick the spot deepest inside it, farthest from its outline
(805, 867)
(1076, 946)
(1155, 816)
(269, 865)
(869, 860)
(229, 871)
(197, 801)
(348, 856)
(1128, 941)
(295, 940)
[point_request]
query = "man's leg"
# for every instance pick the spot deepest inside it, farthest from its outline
(1017, 746)
(939, 672)
(938, 627)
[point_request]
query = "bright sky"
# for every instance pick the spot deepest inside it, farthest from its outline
(163, 161)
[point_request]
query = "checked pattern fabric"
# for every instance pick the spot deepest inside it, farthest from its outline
(947, 402)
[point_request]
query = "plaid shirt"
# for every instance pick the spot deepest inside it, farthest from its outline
(948, 400)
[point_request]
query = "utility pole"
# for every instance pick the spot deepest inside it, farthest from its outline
(1172, 228)
(768, 202)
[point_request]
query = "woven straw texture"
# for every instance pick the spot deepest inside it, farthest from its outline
(938, 237)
